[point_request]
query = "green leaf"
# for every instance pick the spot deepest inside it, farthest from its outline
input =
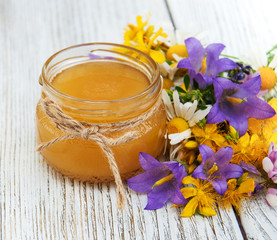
(186, 81)
(169, 62)
(180, 89)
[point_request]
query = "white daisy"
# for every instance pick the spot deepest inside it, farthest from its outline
(181, 117)
(258, 60)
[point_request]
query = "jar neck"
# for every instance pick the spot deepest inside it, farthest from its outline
(102, 111)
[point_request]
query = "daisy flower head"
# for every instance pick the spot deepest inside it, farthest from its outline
(265, 64)
(181, 117)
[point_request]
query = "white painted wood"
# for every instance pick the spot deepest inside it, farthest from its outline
(39, 203)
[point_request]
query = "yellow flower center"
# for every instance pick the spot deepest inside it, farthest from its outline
(163, 180)
(268, 77)
(177, 125)
(213, 169)
(235, 100)
(204, 66)
(167, 83)
(178, 49)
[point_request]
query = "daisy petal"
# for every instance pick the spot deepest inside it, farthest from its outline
(191, 110)
(185, 107)
(169, 108)
(273, 63)
(199, 115)
(177, 103)
(178, 137)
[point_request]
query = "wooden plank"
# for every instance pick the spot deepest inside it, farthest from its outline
(37, 202)
(237, 24)
(259, 219)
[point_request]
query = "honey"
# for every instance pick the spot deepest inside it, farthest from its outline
(101, 80)
(109, 89)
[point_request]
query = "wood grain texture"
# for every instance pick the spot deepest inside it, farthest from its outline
(39, 203)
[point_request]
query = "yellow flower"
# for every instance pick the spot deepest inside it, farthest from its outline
(209, 135)
(167, 83)
(248, 149)
(268, 76)
(178, 49)
(265, 129)
(237, 190)
(201, 197)
(144, 40)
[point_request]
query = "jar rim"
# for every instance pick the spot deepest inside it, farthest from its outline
(156, 74)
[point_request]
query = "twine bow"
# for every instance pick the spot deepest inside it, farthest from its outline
(87, 131)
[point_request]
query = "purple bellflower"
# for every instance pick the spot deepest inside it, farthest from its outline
(236, 103)
(215, 167)
(214, 65)
(162, 181)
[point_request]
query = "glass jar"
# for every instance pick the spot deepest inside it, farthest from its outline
(83, 159)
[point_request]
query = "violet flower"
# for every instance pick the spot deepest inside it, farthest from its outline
(161, 180)
(270, 163)
(236, 103)
(214, 65)
(215, 167)
(271, 197)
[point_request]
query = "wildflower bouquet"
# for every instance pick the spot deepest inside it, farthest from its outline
(221, 125)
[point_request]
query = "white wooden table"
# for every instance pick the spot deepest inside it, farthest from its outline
(38, 203)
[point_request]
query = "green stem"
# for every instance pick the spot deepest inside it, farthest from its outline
(272, 49)
(229, 56)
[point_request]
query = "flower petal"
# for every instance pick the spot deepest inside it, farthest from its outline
(267, 164)
(225, 64)
(179, 137)
(168, 106)
(190, 208)
(247, 186)
(158, 197)
(196, 53)
(231, 171)
(206, 152)
(178, 198)
(191, 110)
(215, 115)
(213, 52)
(223, 156)
(190, 180)
(249, 168)
(184, 63)
(220, 186)
(271, 197)
(189, 192)
(199, 115)
(178, 170)
(198, 172)
(206, 210)
(157, 56)
(145, 181)
(148, 162)
(177, 103)
(185, 107)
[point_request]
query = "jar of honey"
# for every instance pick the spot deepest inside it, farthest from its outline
(105, 85)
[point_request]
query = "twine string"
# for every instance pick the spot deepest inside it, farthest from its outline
(88, 131)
